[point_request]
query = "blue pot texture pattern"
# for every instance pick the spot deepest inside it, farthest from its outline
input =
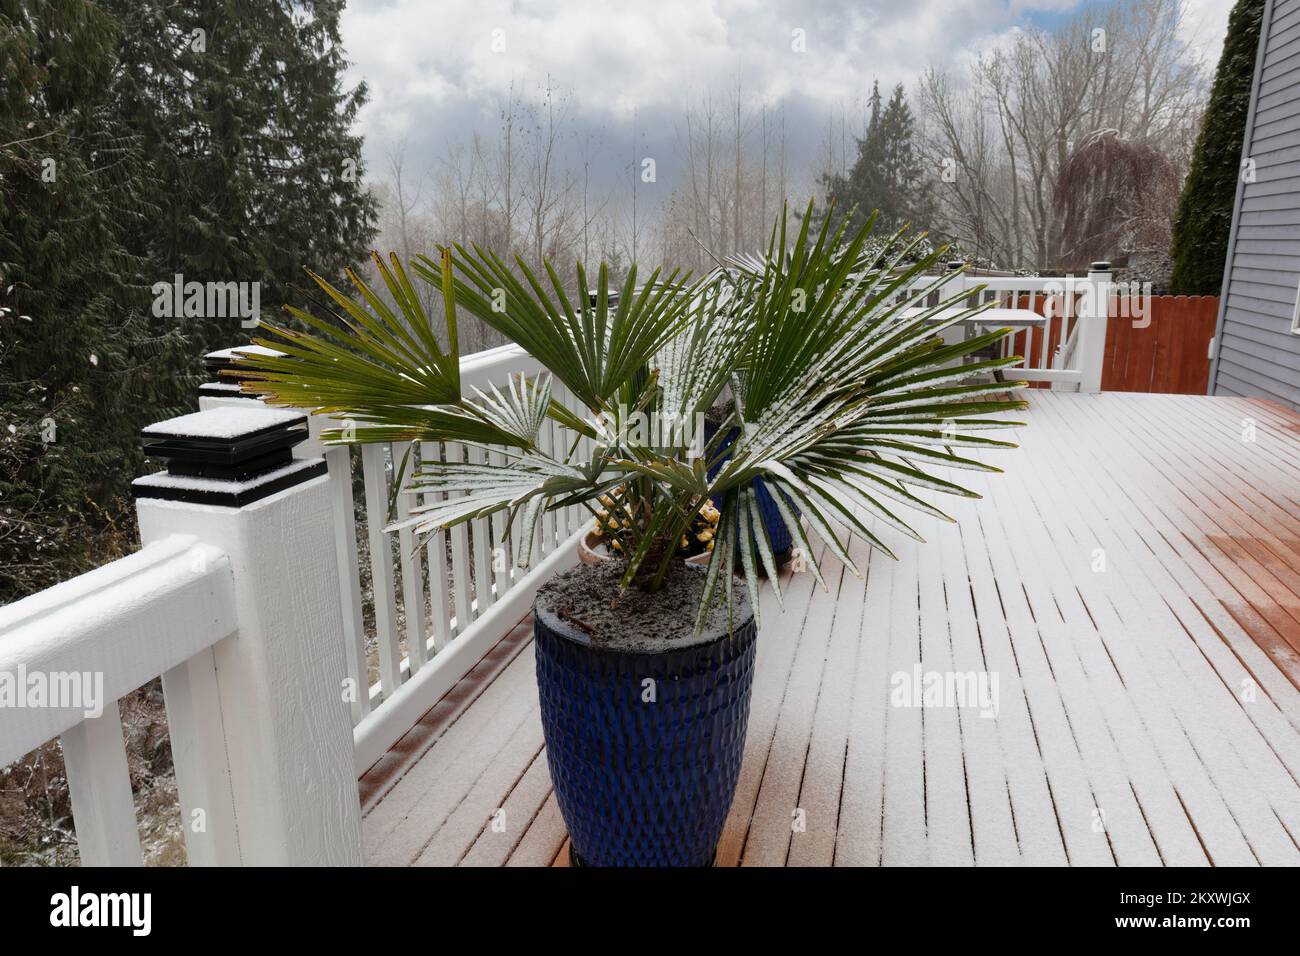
(644, 779)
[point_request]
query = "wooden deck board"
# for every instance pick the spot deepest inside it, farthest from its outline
(1177, 669)
(1075, 614)
(1132, 580)
(863, 788)
(1106, 596)
(820, 788)
(777, 810)
(1238, 784)
(774, 660)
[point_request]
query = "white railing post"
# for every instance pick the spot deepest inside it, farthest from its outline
(1093, 316)
(260, 722)
(103, 808)
(224, 392)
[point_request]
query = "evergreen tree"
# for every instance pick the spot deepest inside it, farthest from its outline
(80, 369)
(887, 172)
(140, 139)
(247, 127)
(1200, 240)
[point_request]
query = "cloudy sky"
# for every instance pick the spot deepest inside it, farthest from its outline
(437, 68)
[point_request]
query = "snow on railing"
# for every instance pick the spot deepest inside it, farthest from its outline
(232, 601)
(437, 607)
(1058, 322)
(70, 652)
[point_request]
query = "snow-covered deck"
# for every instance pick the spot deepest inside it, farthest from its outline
(1133, 585)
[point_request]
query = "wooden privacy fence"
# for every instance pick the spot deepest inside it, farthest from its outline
(1171, 354)
(1161, 344)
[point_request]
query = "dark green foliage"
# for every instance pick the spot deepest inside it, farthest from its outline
(1200, 241)
(80, 368)
(887, 174)
(246, 125)
(127, 156)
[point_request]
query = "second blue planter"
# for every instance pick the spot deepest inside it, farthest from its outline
(777, 532)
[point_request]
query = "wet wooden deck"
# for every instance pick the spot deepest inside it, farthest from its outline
(1132, 582)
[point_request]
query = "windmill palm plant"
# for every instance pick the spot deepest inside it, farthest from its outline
(842, 400)
(843, 393)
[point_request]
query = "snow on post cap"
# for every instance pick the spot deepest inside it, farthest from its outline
(225, 424)
(235, 351)
(226, 456)
(222, 360)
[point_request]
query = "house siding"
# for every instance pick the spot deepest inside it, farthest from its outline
(1256, 353)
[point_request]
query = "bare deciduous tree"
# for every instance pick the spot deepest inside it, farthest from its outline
(1114, 193)
(999, 138)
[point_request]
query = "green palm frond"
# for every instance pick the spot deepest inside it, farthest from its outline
(695, 365)
(369, 355)
(844, 399)
(594, 349)
(839, 363)
(522, 410)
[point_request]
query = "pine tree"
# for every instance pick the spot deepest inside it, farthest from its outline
(80, 369)
(247, 126)
(886, 175)
(1200, 240)
(133, 148)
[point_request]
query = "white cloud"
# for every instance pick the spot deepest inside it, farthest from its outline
(432, 66)
(425, 57)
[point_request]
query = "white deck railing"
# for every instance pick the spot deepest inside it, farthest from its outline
(459, 593)
(254, 618)
(252, 615)
(1068, 347)
(98, 637)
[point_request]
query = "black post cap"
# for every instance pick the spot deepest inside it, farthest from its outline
(226, 456)
(219, 361)
(1100, 266)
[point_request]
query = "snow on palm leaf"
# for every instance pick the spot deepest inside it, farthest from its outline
(844, 397)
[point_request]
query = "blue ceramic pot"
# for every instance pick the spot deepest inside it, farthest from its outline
(644, 783)
(777, 533)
